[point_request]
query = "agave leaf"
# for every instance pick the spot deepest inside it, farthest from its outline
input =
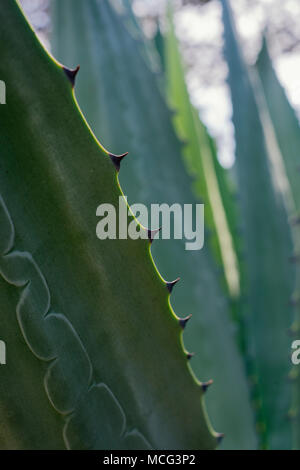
(86, 320)
(268, 246)
(120, 96)
(200, 158)
(227, 188)
(282, 126)
(284, 120)
(159, 43)
(212, 183)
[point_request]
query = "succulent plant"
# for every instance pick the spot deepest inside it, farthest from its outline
(92, 353)
(95, 356)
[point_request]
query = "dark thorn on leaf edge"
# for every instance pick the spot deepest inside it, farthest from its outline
(183, 321)
(189, 356)
(116, 159)
(170, 285)
(207, 384)
(152, 233)
(71, 74)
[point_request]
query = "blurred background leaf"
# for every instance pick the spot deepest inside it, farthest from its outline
(283, 134)
(268, 248)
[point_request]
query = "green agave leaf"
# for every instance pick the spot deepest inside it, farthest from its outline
(227, 186)
(268, 246)
(122, 100)
(212, 182)
(283, 129)
(159, 43)
(228, 190)
(94, 353)
(284, 120)
(147, 49)
(200, 158)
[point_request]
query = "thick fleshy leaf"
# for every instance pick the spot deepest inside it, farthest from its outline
(284, 121)
(282, 127)
(123, 103)
(94, 353)
(200, 159)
